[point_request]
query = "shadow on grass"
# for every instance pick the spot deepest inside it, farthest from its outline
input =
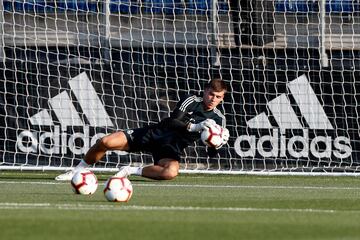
(46, 176)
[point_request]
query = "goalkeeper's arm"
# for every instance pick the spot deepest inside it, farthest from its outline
(178, 120)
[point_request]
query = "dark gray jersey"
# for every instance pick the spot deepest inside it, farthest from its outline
(168, 138)
(193, 108)
(189, 109)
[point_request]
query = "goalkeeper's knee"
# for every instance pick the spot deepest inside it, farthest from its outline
(168, 174)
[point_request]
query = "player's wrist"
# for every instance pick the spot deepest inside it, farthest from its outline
(191, 127)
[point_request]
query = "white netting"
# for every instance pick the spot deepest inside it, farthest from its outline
(74, 70)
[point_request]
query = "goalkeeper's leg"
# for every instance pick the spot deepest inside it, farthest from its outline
(114, 141)
(165, 169)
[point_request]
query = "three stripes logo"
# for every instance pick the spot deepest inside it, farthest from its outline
(282, 142)
(59, 141)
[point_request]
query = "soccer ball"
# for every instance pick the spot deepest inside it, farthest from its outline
(118, 189)
(84, 182)
(212, 136)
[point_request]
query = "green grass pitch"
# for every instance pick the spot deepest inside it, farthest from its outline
(34, 206)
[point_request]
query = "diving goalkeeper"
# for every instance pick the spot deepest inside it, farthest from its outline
(165, 140)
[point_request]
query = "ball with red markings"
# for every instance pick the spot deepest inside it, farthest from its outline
(118, 189)
(84, 182)
(212, 136)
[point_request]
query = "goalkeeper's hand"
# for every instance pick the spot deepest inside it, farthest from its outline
(225, 137)
(197, 127)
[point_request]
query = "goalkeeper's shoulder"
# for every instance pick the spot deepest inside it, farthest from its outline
(190, 98)
(219, 117)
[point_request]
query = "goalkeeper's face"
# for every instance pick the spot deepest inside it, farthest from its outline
(211, 98)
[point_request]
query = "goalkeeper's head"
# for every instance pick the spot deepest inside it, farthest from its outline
(214, 93)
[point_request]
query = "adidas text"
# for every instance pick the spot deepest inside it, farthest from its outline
(56, 142)
(281, 145)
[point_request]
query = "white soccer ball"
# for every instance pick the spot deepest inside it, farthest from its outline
(212, 136)
(118, 189)
(84, 182)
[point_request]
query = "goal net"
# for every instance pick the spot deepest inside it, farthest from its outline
(73, 71)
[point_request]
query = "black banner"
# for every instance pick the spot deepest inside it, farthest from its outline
(297, 119)
(50, 115)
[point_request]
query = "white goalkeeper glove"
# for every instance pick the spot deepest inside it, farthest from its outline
(225, 137)
(197, 127)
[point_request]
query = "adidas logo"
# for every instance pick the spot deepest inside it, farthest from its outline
(281, 142)
(284, 114)
(59, 141)
(65, 111)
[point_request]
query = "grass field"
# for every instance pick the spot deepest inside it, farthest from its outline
(34, 206)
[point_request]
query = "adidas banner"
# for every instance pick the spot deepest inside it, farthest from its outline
(308, 119)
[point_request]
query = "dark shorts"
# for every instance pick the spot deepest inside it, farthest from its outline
(154, 141)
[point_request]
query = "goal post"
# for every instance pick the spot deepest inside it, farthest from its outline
(74, 70)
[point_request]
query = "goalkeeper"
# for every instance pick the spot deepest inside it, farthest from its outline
(165, 140)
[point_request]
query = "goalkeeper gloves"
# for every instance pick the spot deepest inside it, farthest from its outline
(197, 127)
(225, 137)
(212, 152)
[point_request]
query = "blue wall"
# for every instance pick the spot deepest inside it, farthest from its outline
(170, 6)
(313, 6)
(122, 6)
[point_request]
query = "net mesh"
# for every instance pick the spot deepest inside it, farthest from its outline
(74, 71)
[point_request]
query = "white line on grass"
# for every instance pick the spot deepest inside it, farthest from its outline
(92, 207)
(248, 186)
(197, 185)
